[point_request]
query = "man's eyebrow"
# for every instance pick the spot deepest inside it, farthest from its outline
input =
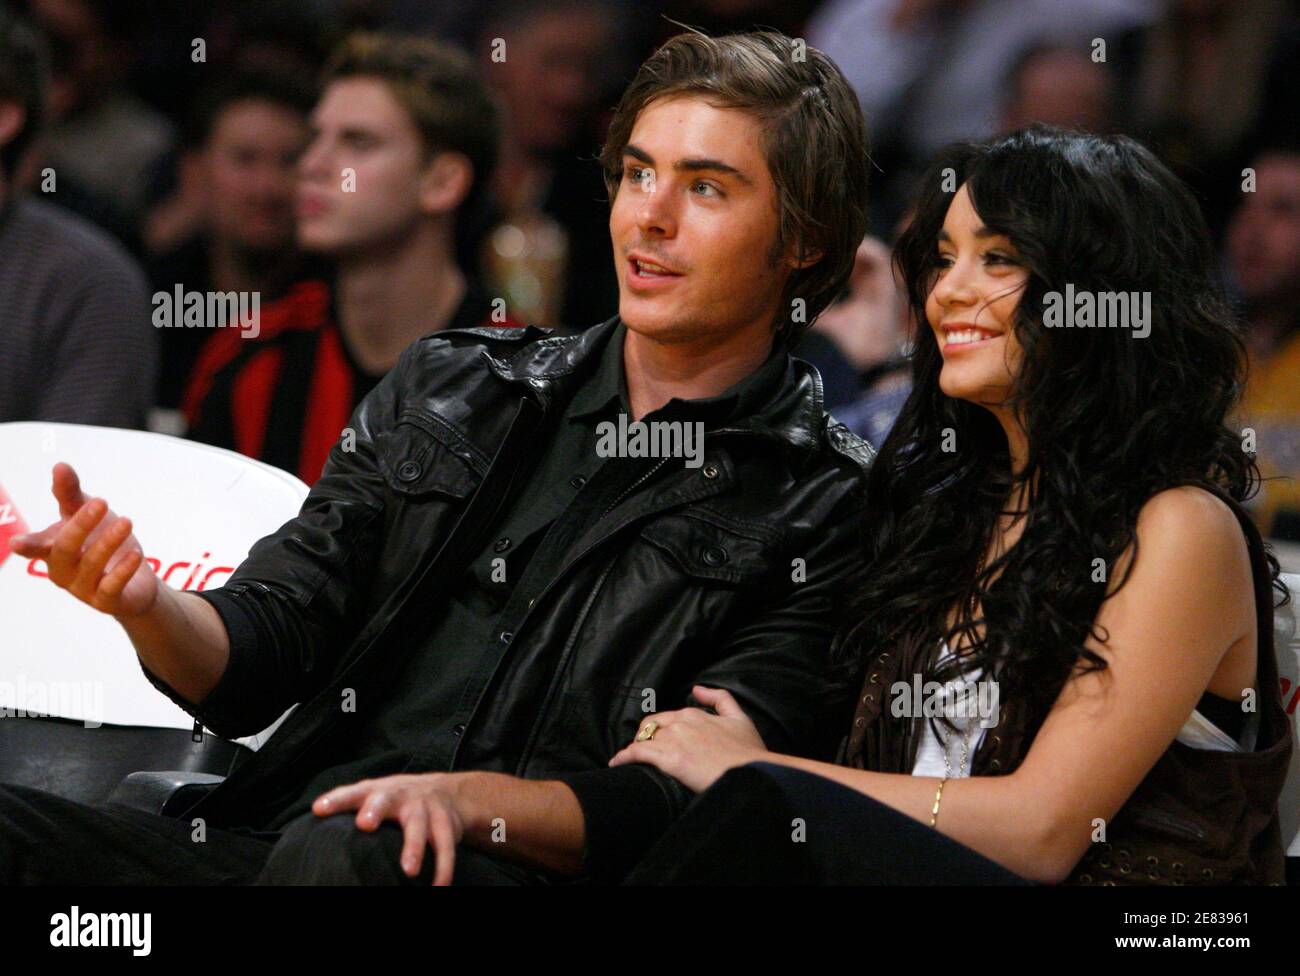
(693, 165)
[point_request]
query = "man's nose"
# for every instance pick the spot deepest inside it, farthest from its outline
(314, 158)
(656, 211)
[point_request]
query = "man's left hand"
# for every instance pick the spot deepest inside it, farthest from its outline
(424, 804)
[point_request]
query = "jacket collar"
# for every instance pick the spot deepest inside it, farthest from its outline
(556, 366)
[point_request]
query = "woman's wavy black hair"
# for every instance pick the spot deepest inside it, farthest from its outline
(1111, 419)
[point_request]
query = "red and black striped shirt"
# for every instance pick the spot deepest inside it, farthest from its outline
(285, 396)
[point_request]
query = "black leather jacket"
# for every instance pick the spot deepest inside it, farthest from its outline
(729, 574)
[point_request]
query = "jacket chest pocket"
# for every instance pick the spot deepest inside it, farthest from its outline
(707, 550)
(419, 459)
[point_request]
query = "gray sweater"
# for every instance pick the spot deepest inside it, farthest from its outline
(76, 341)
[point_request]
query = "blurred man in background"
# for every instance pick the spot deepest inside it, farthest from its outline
(1264, 262)
(230, 224)
(548, 64)
(106, 143)
(75, 340)
(1059, 84)
(403, 138)
(869, 328)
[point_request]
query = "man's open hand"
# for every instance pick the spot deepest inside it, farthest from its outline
(91, 552)
(425, 806)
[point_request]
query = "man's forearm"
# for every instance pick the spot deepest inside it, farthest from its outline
(534, 822)
(181, 640)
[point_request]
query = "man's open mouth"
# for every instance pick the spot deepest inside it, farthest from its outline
(645, 268)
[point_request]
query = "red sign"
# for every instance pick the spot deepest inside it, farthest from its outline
(11, 523)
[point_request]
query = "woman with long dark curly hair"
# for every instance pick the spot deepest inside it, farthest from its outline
(1062, 627)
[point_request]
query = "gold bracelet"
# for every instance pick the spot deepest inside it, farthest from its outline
(938, 794)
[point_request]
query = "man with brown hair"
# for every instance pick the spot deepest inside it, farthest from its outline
(403, 141)
(536, 540)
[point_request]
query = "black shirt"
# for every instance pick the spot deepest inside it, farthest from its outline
(415, 727)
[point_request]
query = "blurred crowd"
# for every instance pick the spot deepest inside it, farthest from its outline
(205, 148)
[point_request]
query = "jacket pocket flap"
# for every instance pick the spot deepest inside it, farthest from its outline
(707, 550)
(418, 457)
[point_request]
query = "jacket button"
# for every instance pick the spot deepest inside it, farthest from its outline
(501, 545)
(506, 637)
(577, 481)
(715, 555)
(710, 471)
(996, 764)
(460, 727)
(408, 471)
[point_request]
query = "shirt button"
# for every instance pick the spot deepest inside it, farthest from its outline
(506, 637)
(501, 545)
(460, 727)
(577, 481)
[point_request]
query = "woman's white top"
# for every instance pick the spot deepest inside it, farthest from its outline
(964, 701)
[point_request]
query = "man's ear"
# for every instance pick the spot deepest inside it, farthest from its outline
(12, 118)
(810, 257)
(447, 179)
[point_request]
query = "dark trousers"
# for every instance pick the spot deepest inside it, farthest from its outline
(770, 824)
(47, 839)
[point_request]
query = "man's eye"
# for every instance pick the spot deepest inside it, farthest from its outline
(710, 189)
(636, 174)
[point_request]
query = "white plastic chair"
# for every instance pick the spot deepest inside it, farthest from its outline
(196, 509)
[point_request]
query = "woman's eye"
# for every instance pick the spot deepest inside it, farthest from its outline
(942, 260)
(998, 257)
